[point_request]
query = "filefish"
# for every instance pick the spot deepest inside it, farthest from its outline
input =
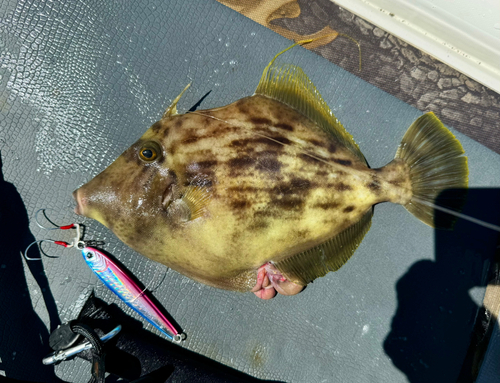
(267, 193)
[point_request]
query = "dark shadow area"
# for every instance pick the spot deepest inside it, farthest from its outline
(137, 355)
(433, 325)
(480, 338)
(23, 335)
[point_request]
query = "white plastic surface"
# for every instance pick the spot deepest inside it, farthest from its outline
(463, 34)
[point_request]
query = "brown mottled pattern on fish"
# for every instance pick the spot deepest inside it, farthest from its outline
(277, 185)
(268, 193)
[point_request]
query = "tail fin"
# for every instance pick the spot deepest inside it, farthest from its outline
(434, 157)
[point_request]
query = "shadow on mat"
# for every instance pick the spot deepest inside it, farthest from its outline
(137, 355)
(431, 329)
(23, 335)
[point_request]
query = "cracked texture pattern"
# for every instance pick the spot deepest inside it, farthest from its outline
(80, 81)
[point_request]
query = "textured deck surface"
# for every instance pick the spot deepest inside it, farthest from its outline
(79, 82)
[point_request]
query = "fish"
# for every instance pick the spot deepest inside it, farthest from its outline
(268, 193)
(120, 283)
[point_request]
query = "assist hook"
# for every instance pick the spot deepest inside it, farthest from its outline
(76, 242)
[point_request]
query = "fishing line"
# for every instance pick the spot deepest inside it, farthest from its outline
(414, 198)
(352, 171)
(457, 214)
(355, 42)
(160, 282)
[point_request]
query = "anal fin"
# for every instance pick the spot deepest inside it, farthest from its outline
(331, 255)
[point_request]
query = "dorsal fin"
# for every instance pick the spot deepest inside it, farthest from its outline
(290, 85)
(172, 109)
(304, 267)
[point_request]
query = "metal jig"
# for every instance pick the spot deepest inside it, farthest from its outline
(117, 279)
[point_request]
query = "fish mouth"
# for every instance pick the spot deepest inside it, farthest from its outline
(78, 208)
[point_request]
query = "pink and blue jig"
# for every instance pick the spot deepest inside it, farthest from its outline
(116, 279)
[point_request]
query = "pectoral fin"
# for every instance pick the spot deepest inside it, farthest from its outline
(196, 199)
(190, 205)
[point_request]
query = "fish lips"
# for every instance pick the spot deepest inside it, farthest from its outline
(81, 200)
(78, 208)
(169, 194)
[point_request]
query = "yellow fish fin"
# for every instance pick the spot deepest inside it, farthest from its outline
(196, 199)
(290, 85)
(436, 164)
(304, 267)
(172, 109)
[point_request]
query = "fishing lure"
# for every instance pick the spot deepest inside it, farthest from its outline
(119, 282)
(117, 279)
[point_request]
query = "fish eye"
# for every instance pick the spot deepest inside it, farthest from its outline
(149, 152)
(90, 255)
